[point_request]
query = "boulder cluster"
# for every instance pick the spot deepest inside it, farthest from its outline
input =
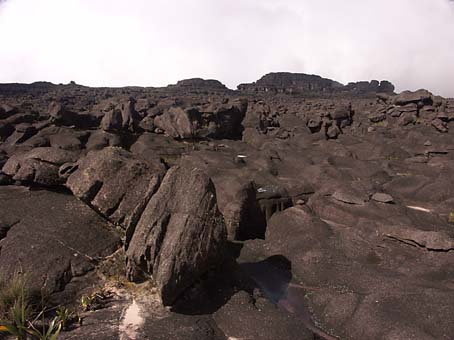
(291, 207)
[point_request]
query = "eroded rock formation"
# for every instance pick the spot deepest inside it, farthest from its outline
(292, 207)
(179, 235)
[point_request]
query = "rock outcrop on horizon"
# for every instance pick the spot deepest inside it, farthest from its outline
(300, 83)
(290, 208)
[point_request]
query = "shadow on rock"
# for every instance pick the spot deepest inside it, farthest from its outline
(272, 276)
(214, 289)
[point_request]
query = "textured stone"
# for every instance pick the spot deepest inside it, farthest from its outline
(180, 234)
(115, 183)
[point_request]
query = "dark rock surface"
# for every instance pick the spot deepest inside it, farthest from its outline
(55, 239)
(180, 234)
(39, 166)
(349, 187)
(115, 183)
(381, 279)
(217, 120)
(246, 317)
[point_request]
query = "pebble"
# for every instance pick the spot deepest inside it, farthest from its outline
(382, 197)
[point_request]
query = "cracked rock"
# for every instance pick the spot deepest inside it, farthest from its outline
(114, 182)
(180, 234)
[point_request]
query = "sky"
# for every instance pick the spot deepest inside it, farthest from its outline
(158, 42)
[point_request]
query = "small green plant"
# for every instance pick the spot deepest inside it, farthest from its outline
(49, 332)
(392, 158)
(65, 316)
(86, 302)
(451, 217)
(95, 300)
(17, 325)
(11, 291)
(381, 124)
(91, 302)
(19, 316)
(14, 306)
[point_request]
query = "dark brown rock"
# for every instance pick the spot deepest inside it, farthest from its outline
(416, 97)
(440, 125)
(214, 121)
(23, 132)
(180, 234)
(333, 132)
(314, 124)
(377, 117)
(407, 118)
(115, 183)
(121, 117)
(6, 129)
(319, 258)
(51, 237)
(7, 110)
(244, 317)
(100, 139)
(147, 124)
(112, 121)
(39, 166)
(382, 197)
(178, 123)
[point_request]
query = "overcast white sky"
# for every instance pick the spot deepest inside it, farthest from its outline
(157, 42)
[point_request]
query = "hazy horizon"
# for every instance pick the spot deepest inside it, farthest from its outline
(143, 43)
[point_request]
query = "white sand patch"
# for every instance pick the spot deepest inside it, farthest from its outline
(419, 208)
(131, 322)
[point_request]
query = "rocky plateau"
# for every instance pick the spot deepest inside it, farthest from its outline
(293, 208)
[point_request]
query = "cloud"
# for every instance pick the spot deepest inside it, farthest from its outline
(154, 43)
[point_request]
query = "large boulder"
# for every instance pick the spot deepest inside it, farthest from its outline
(59, 137)
(51, 237)
(121, 117)
(4, 179)
(59, 114)
(440, 125)
(115, 183)
(40, 166)
(6, 129)
(342, 115)
(223, 120)
(23, 132)
(216, 120)
(100, 139)
(240, 207)
(157, 149)
(408, 97)
(129, 115)
(111, 121)
(7, 110)
(178, 122)
(180, 234)
(3, 158)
